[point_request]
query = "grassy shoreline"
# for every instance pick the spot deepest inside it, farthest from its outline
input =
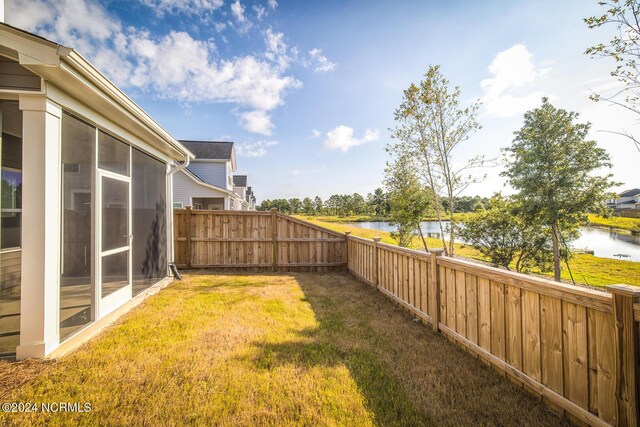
(587, 269)
(370, 218)
(615, 223)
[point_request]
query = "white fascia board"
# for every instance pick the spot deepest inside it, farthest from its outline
(31, 49)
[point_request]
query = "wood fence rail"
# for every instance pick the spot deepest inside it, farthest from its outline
(575, 348)
(255, 240)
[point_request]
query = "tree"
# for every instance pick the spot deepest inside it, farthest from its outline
(318, 206)
(409, 201)
(552, 167)
(431, 124)
(624, 49)
(308, 206)
(501, 234)
(380, 202)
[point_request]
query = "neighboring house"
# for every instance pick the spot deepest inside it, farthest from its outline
(251, 199)
(86, 196)
(208, 182)
(241, 189)
(629, 199)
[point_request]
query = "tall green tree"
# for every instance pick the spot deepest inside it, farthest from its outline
(318, 205)
(308, 207)
(624, 49)
(431, 125)
(408, 200)
(504, 236)
(554, 168)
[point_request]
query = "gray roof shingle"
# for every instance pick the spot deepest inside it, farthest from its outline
(211, 150)
(630, 193)
(240, 180)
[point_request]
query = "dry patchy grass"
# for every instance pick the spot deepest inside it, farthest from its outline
(299, 349)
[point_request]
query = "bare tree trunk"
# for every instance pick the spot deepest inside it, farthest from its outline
(442, 233)
(424, 241)
(452, 232)
(556, 252)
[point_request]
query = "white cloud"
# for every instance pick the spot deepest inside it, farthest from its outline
(277, 49)
(219, 26)
(319, 62)
(191, 7)
(257, 122)
(237, 9)
(254, 149)
(315, 133)
(341, 138)
(172, 66)
(243, 24)
(272, 4)
(260, 11)
(508, 92)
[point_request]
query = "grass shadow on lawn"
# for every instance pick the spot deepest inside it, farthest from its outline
(407, 374)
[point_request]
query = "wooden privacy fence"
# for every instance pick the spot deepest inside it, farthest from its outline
(574, 347)
(256, 240)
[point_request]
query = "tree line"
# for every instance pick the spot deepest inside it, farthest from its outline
(373, 204)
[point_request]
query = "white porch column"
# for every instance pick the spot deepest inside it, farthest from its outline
(227, 203)
(41, 235)
(169, 192)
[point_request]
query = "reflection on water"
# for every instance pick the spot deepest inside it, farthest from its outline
(604, 243)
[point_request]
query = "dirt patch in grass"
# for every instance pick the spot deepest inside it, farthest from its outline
(299, 349)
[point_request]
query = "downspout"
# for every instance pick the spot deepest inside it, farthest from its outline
(181, 166)
(170, 172)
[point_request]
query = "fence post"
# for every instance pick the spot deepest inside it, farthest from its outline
(627, 343)
(434, 289)
(347, 233)
(274, 239)
(188, 226)
(376, 279)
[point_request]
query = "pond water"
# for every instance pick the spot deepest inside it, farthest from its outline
(604, 243)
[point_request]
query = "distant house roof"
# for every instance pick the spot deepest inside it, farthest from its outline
(240, 180)
(211, 150)
(630, 193)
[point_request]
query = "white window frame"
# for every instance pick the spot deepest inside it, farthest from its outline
(11, 210)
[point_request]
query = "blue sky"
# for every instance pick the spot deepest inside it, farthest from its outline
(307, 89)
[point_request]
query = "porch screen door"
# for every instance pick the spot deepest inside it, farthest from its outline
(114, 241)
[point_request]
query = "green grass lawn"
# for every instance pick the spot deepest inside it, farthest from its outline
(620, 223)
(279, 350)
(587, 269)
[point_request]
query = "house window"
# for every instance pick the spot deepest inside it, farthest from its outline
(11, 192)
(177, 205)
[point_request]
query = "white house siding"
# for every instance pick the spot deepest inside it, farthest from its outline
(184, 188)
(213, 173)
